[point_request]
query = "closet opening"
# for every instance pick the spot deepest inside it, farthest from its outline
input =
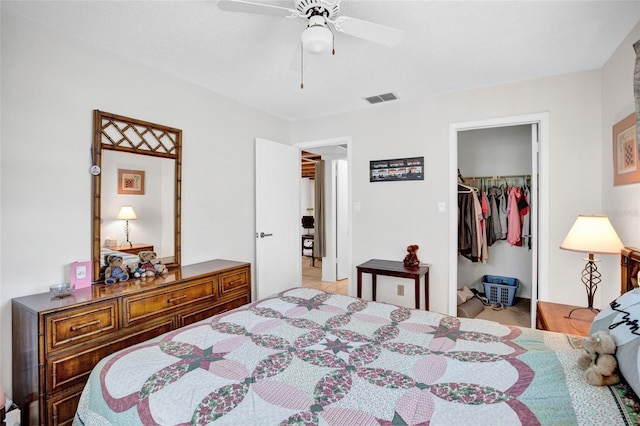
(495, 238)
(497, 179)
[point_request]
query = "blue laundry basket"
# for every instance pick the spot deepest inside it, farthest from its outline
(499, 289)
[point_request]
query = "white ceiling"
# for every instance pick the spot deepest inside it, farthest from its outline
(448, 46)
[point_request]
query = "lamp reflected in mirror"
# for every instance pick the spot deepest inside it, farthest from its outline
(127, 213)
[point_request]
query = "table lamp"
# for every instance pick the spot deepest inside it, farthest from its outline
(592, 234)
(127, 213)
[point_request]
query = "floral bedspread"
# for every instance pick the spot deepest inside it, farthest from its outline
(310, 357)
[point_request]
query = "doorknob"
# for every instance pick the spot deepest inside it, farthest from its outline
(262, 235)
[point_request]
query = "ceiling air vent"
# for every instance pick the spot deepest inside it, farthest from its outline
(381, 98)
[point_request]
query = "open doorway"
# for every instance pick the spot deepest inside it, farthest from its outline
(539, 140)
(331, 271)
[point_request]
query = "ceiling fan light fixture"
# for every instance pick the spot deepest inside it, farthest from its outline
(317, 37)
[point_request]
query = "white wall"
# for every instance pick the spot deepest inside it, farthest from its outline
(396, 214)
(621, 203)
(50, 85)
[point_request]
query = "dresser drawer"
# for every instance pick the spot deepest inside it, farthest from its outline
(142, 308)
(209, 310)
(67, 328)
(234, 281)
(62, 409)
(74, 367)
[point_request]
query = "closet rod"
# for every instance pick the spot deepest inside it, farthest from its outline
(498, 177)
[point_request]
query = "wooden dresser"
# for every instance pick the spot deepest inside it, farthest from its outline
(56, 342)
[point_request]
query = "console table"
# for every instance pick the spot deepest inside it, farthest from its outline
(394, 268)
(133, 248)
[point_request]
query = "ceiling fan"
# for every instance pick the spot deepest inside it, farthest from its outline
(317, 37)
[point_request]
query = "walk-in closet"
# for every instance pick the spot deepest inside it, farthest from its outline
(495, 238)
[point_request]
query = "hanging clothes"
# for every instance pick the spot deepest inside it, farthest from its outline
(494, 219)
(472, 240)
(482, 234)
(467, 230)
(514, 225)
(486, 215)
(490, 214)
(526, 219)
(502, 208)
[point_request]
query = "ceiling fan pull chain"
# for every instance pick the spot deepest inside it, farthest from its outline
(333, 43)
(301, 65)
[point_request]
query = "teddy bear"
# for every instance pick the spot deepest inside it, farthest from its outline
(411, 259)
(146, 263)
(115, 270)
(599, 361)
(135, 270)
(161, 269)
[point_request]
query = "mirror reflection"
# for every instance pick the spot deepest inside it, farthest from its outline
(147, 208)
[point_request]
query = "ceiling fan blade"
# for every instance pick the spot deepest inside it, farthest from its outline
(369, 31)
(259, 8)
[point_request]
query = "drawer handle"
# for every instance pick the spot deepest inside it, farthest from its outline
(88, 324)
(175, 299)
(234, 282)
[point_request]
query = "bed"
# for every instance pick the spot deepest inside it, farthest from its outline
(305, 356)
(127, 258)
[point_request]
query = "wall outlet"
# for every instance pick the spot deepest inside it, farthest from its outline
(400, 290)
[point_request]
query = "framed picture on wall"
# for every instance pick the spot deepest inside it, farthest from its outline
(626, 166)
(399, 169)
(131, 182)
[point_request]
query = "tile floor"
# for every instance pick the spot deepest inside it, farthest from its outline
(311, 278)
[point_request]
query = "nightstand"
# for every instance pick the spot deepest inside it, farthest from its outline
(552, 317)
(133, 249)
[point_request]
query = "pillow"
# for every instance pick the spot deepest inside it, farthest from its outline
(622, 320)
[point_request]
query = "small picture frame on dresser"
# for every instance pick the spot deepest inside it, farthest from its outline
(80, 274)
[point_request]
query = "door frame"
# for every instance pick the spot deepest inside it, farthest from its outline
(540, 163)
(343, 140)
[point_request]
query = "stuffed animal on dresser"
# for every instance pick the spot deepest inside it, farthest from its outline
(599, 361)
(146, 264)
(411, 259)
(150, 265)
(115, 270)
(161, 269)
(135, 270)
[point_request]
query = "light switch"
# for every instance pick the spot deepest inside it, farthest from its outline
(442, 207)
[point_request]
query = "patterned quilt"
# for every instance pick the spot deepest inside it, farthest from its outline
(310, 357)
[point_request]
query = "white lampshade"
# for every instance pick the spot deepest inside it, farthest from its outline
(592, 234)
(126, 213)
(317, 37)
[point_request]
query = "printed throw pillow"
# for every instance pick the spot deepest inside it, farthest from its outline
(622, 320)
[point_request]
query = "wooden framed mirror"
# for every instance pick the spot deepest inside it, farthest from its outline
(136, 165)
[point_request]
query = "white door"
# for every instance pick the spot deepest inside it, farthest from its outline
(277, 217)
